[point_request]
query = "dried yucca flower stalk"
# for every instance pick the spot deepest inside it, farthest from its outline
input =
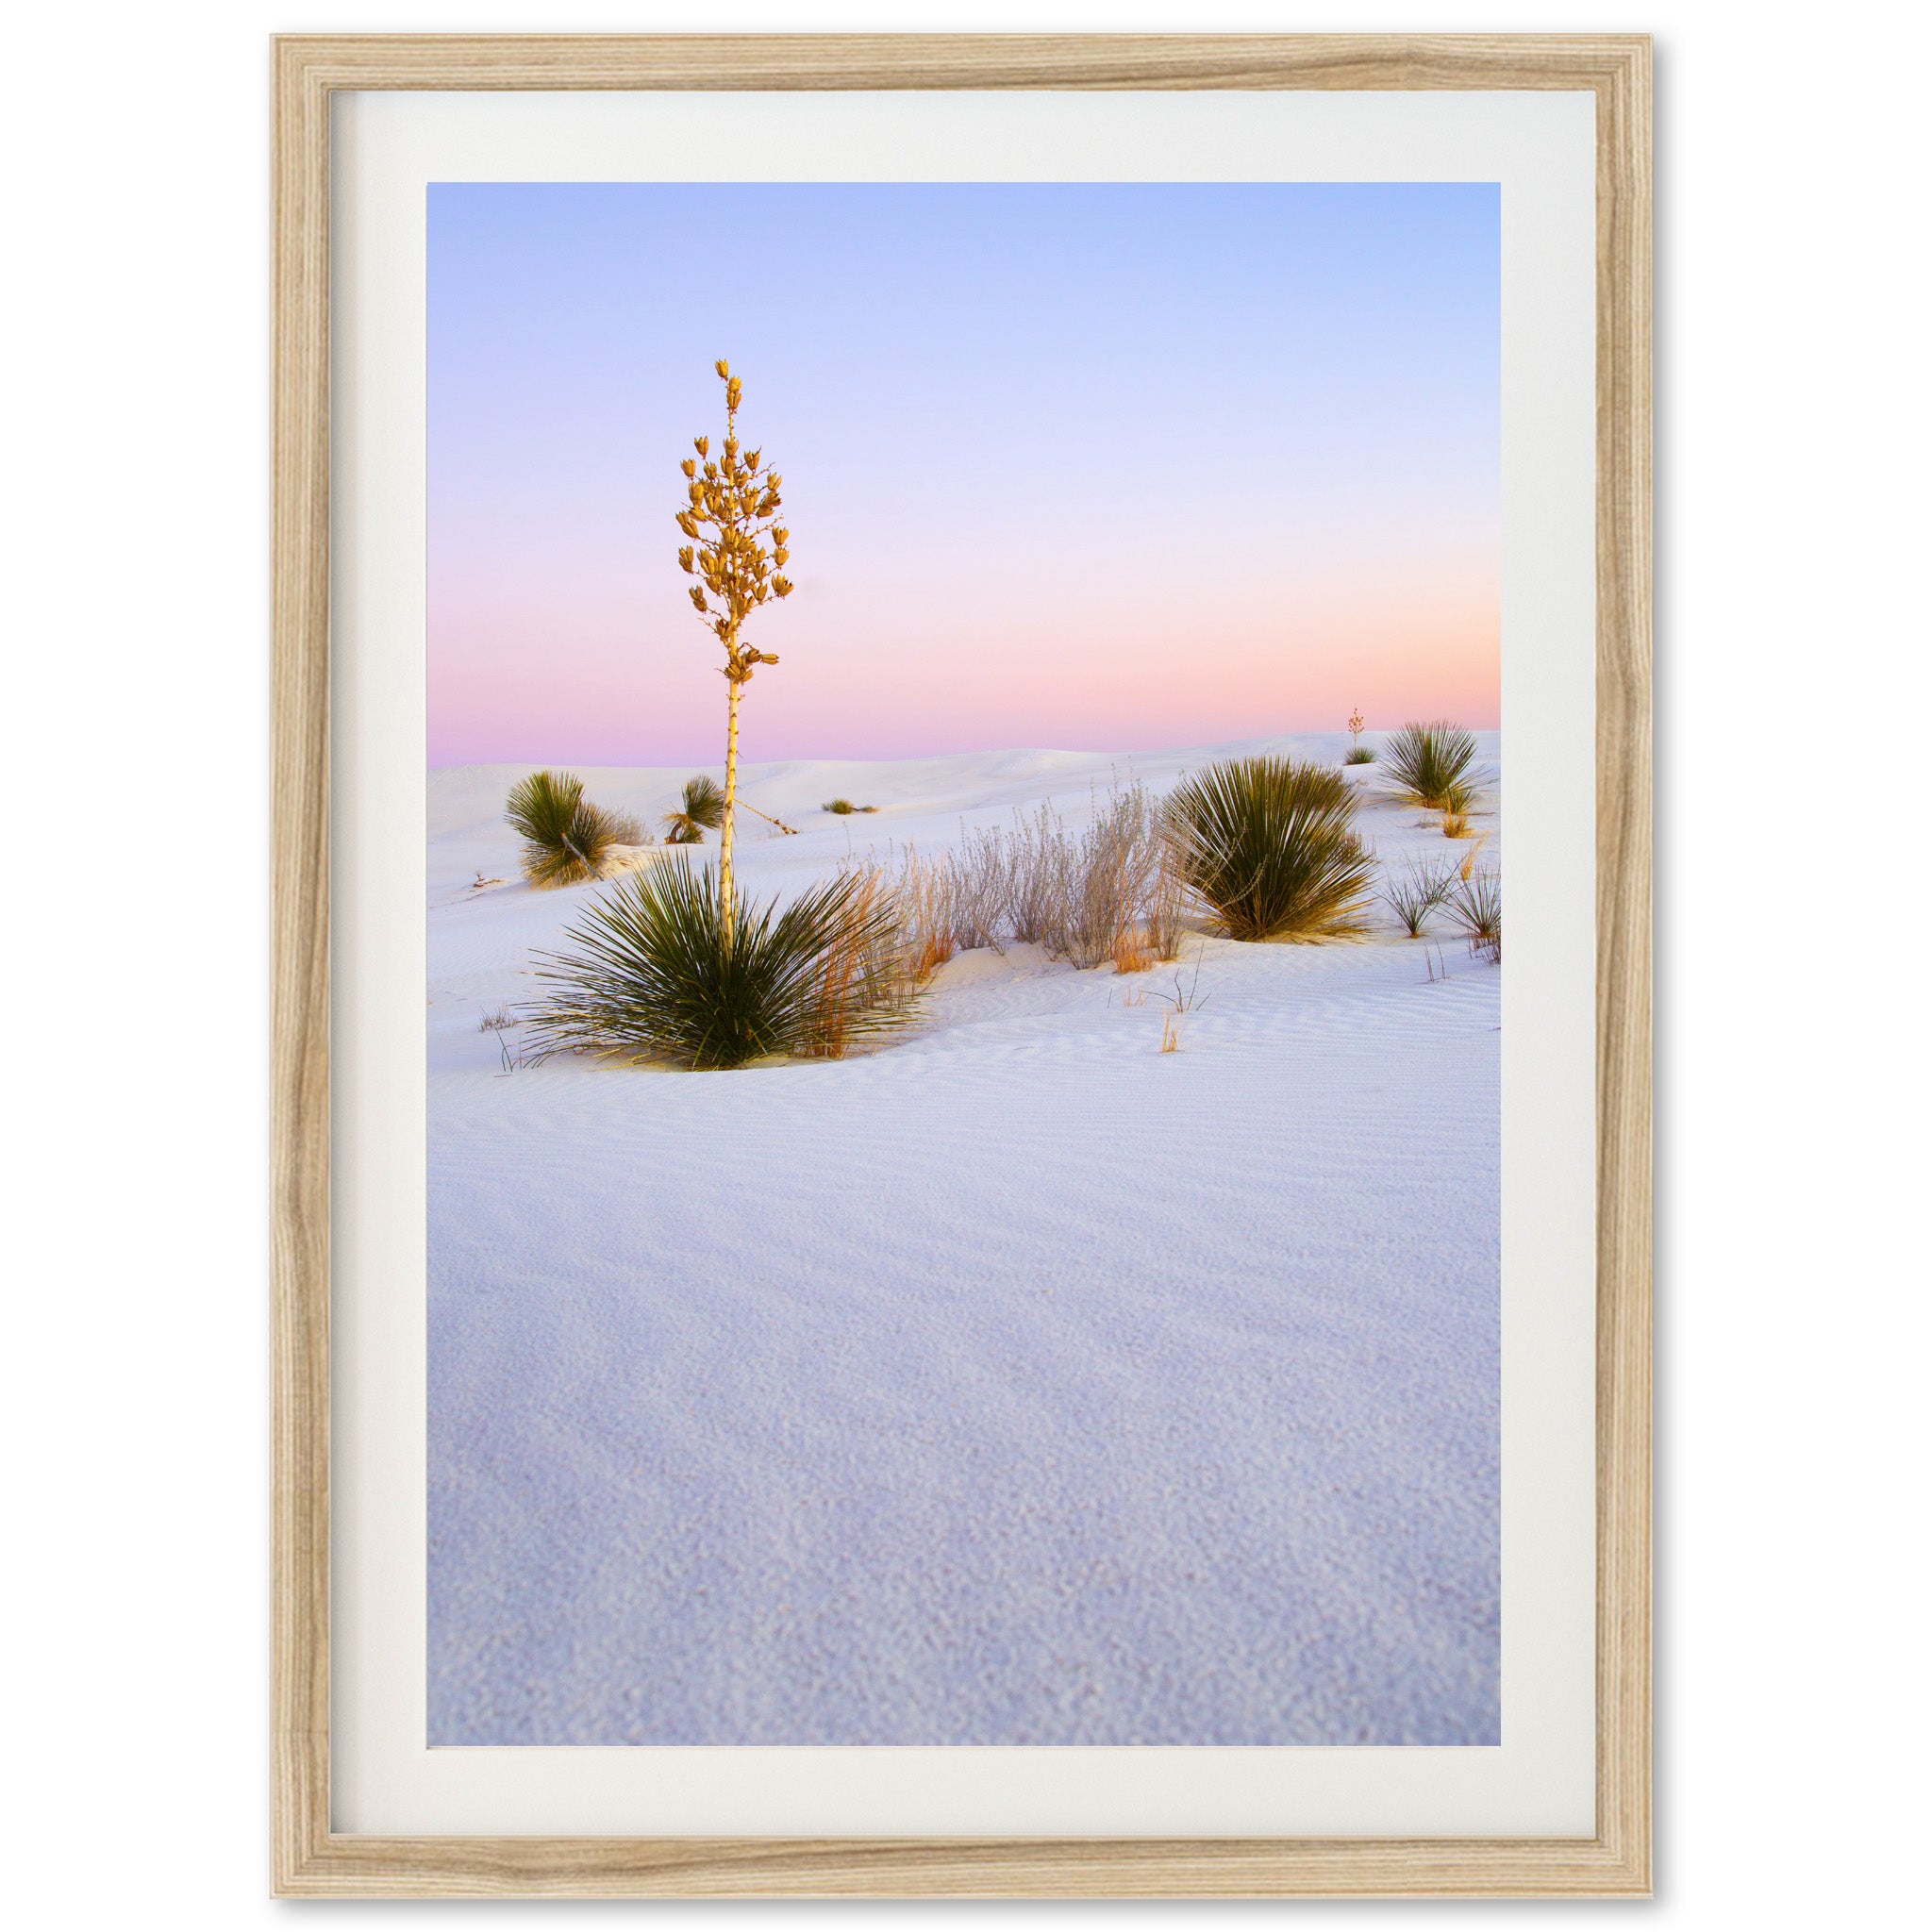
(738, 551)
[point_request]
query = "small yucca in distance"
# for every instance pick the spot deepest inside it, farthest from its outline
(565, 837)
(1269, 845)
(701, 808)
(1358, 754)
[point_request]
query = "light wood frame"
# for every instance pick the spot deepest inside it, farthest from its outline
(309, 1859)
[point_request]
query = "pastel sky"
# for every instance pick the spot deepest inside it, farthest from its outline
(1090, 467)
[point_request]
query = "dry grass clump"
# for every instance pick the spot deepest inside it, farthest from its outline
(1417, 893)
(861, 980)
(1476, 907)
(1269, 845)
(565, 837)
(1040, 860)
(1428, 761)
(1166, 899)
(1106, 879)
(700, 809)
(660, 971)
(844, 808)
(1358, 755)
(1458, 802)
(926, 897)
(1112, 893)
(953, 903)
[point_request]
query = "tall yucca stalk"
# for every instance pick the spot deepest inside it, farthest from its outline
(738, 550)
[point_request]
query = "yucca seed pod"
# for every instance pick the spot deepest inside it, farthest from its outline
(723, 367)
(683, 560)
(780, 587)
(751, 462)
(689, 466)
(697, 598)
(781, 556)
(702, 444)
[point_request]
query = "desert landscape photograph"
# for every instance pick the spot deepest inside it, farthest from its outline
(964, 809)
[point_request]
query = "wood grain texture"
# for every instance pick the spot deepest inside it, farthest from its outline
(299, 1066)
(311, 1860)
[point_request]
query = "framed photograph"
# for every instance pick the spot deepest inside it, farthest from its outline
(920, 1245)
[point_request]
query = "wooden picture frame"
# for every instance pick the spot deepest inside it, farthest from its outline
(309, 1859)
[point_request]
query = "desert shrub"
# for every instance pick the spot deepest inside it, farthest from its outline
(1167, 895)
(1081, 898)
(1417, 893)
(701, 808)
(1269, 846)
(1358, 755)
(652, 976)
(844, 807)
(1106, 882)
(565, 837)
(981, 869)
(1476, 907)
(1428, 761)
(1041, 861)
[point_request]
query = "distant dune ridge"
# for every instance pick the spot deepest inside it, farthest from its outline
(1012, 1383)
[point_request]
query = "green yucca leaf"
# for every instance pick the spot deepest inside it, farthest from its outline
(565, 836)
(1268, 844)
(1418, 892)
(1428, 762)
(1477, 907)
(701, 809)
(652, 976)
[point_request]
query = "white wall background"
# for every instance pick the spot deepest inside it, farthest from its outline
(1792, 636)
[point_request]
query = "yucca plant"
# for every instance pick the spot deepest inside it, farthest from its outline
(565, 836)
(1417, 893)
(1428, 761)
(654, 973)
(701, 808)
(738, 551)
(1268, 844)
(1476, 907)
(1358, 754)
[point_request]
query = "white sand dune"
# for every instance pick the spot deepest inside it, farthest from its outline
(1016, 1383)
